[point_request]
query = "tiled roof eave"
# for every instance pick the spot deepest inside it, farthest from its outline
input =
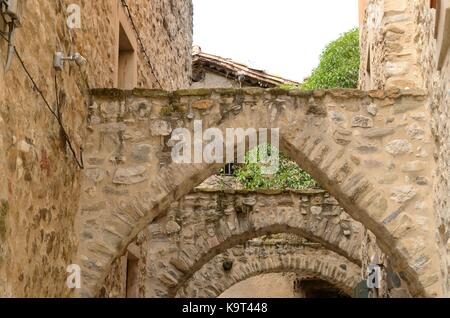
(208, 60)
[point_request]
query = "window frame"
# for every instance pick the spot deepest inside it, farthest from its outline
(124, 28)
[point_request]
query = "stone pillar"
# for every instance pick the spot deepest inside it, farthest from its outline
(395, 39)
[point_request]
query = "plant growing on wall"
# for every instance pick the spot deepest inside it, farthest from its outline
(288, 176)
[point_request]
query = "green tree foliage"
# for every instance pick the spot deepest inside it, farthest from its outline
(339, 64)
(338, 68)
(288, 176)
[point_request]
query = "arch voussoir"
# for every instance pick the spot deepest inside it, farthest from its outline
(305, 262)
(300, 213)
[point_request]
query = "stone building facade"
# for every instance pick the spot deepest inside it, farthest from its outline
(39, 180)
(405, 44)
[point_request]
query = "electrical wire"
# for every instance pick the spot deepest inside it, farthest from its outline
(144, 51)
(47, 104)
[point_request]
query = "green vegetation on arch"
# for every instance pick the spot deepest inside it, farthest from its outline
(288, 176)
(338, 68)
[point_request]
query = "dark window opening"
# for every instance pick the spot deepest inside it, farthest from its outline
(228, 170)
(317, 289)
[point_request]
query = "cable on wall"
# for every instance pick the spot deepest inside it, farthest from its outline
(141, 43)
(58, 118)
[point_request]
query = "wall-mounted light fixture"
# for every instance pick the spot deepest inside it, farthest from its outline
(59, 58)
(12, 11)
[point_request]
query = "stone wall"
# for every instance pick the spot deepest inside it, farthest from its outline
(399, 51)
(368, 149)
(168, 240)
(392, 43)
(207, 222)
(161, 249)
(440, 104)
(117, 283)
(154, 251)
(391, 283)
(400, 34)
(255, 258)
(40, 182)
(439, 87)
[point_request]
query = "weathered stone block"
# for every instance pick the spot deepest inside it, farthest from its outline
(415, 132)
(142, 152)
(413, 166)
(130, 175)
(378, 132)
(396, 68)
(398, 147)
(362, 121)
(316, 210)
(203, 104)
(172, 227)
(160, 128)
(372, 109)
(95, 174)
(403, 194)
(338, 118)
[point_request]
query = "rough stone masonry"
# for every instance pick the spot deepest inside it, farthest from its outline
(372, 164)
(382, 152)
(39, 180)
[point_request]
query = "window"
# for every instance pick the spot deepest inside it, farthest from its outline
(127, 62)
(228, 169)
(126, 70)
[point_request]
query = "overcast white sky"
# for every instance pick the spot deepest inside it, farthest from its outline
(284, 37)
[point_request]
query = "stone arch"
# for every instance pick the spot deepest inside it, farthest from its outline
(357, 145)
(211, 222)
(212, 280)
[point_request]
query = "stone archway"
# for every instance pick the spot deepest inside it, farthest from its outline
(206, 223)
(212, 279)
(357, 145)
